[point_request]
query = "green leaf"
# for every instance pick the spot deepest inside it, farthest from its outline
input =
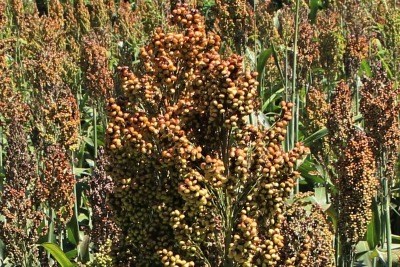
(73, 231)
(81, 171)
(332, 215)
(2, 249)
(321, 133)
(366, 68)
(262, 61)
(90, 162)
(306, 169)
(82, 217)
(377, 219)
(321, 197)
(84, 255)
(363, 253)
(372, 234)
(58, 254)
(314, 7)
(72, 254)
(362, 247)
(88, 141)
(316, 136)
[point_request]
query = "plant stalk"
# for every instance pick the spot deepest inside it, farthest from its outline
(294, 96)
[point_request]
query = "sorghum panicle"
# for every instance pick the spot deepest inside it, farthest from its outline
(308, 235)
(18, 200)
(188, 170)
(380, 107)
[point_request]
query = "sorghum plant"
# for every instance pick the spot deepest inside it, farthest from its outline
(104, 231)
(354, 176)
(194, 183)
(380, 107)
(19, 202)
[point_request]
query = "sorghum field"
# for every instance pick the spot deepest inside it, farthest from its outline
(218, 133)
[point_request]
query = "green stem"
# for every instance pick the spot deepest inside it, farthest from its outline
(50, 236)
(95, 131)
(387, 222)
(228, 229)
(1, 158)
(295, 96)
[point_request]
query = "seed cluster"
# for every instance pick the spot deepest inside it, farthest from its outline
(315, 118)
(358, 187)
(355, 171)
(104, 230)
(188, 170)
(3, 17)
(380, 109)
(308, 235)
(56, 185)
(340, 119)
(18, 199)
(232, 19)
(98, 80)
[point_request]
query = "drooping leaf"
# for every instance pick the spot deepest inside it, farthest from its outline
(58, 254)
(72, 254)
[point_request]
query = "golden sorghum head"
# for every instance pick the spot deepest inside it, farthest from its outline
(179, 143)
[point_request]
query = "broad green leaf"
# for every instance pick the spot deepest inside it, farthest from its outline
(306, 169)
(261, 62)
(332, 215)
(377, 218)
(58, 254)
(362, 247)
(82, 217)
(324, 132)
